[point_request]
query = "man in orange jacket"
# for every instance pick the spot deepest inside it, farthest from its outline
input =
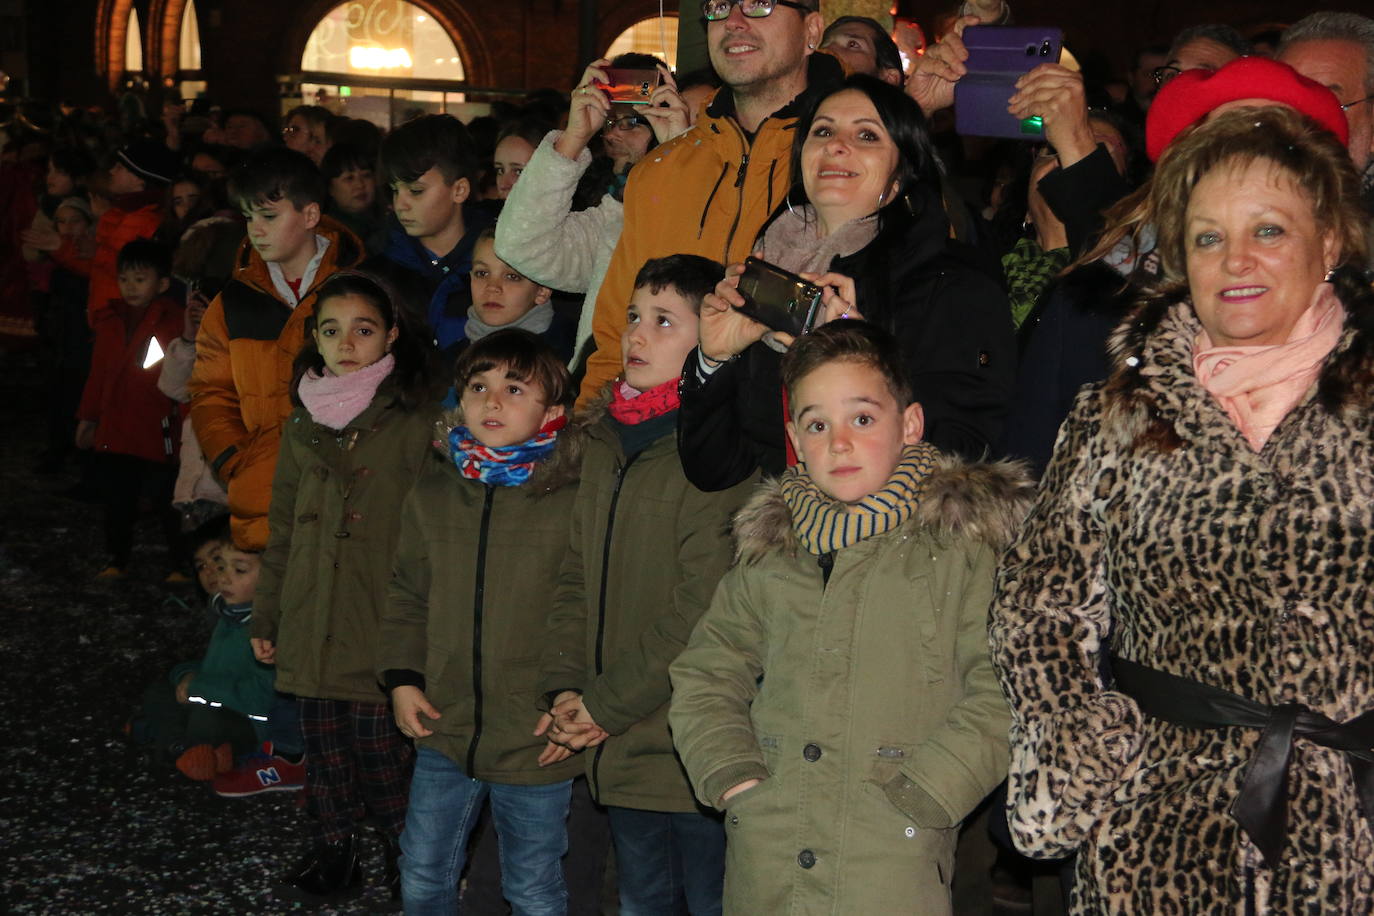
(252, 331)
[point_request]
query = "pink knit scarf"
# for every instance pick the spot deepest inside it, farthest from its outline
(335, 400)
(1258, 386)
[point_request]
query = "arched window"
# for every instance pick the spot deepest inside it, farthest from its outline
(656, 35)
(133, 44)
(188, 44)
(382, 38)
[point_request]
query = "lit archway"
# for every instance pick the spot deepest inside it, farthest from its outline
(113, 35)
(656, 35)
(382, 38)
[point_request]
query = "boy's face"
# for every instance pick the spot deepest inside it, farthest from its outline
(238, 574)
(185, 195)
(123, 181)
(141, 285)
(501, 295)
(501, 410)
(509, 160)
(428, 205)
(848, 430)
(660, 331)
(206, 563)
(279, 231)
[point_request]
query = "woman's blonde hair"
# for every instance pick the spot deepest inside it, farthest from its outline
(1312, 157)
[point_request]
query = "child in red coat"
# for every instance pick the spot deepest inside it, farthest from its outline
(131, 425)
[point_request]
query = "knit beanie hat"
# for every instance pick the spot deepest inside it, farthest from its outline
(80, 204)
(1193, 94)
(150, 160)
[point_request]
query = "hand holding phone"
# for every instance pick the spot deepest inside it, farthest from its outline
(778, 299)
(630, 86)
(998, 56)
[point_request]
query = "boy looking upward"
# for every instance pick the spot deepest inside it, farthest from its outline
(838, 700)
(253, 330)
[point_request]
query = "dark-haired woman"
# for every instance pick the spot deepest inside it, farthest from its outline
(365, 405)
(353, 198)
(865, 222)
(1203, 531)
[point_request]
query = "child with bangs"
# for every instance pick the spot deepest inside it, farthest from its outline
(838, 700)
(483, 534)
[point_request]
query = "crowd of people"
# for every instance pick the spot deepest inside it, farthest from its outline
(513, 505)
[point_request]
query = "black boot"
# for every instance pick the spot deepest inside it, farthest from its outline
(391, 868)
(328, 873)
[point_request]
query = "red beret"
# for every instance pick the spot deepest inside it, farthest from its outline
(1193, 94)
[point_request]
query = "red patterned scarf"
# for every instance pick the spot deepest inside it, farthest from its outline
(631, 406)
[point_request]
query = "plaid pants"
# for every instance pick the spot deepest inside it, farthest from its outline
(356, 763)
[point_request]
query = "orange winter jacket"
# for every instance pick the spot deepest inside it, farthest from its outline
(134, 216)
(240, 387)
(706, 192)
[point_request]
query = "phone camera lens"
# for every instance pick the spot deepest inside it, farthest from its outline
(1030, 50)
(1045, 49)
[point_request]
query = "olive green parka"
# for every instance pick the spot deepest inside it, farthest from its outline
(334, 518)
(867, 704)
(646, 551)
(476, 569)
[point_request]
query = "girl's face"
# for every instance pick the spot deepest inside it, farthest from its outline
(848, 159)
(502, 410)
(71, 222)
(206, 562)
(510, 157)
(350, 333)
(185, 196)
(59, 183)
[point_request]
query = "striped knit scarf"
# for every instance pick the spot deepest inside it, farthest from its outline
(824, 525)
(502, 466)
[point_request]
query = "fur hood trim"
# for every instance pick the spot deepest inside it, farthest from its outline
(561, 469)
(985, 501)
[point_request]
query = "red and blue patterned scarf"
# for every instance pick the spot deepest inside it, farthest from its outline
(504, 466)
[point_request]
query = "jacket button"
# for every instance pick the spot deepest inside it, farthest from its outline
(806, 858)
(812, 753)
(734, 819)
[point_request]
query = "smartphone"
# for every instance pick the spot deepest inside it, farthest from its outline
(998, 55)
(777, 298)
(208, 287)
(631, 87)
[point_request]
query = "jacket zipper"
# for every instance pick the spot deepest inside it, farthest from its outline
(701, 227)
(739, 204)
(620, 472)
(477, 596)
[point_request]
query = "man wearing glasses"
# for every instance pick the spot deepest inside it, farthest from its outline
(708, 191)
(1337, 50)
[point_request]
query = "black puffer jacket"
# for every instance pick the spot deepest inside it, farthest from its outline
(950, 318)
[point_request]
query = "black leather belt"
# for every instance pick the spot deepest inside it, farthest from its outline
(1261, 807)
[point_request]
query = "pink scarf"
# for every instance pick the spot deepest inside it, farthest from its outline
(1258, 386)
(335, 400)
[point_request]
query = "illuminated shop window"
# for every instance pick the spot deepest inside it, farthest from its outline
(656, 36)
(188, 45)
(382, 38)
(133, 44)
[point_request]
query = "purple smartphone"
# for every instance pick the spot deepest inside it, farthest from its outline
(997, 56)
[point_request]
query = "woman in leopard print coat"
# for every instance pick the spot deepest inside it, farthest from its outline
(1165, 536)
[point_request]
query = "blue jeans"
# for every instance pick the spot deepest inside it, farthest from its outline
(662, 858)
(531, 828)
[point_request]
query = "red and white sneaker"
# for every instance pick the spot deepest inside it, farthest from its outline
(261, 772)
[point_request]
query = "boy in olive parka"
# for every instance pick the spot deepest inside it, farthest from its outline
(838, 700)
(646, 552)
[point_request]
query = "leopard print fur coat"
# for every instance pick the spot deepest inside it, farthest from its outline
(1158, 534)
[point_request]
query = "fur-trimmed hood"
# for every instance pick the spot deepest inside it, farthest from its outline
(560, 469)
(984, 500)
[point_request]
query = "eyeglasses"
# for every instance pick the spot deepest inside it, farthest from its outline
(716, 10)
(627, 123)
(291, 129)
(1162, 75)
(1349, 105)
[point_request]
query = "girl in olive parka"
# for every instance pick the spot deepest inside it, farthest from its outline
(838, 700)
(350, 452)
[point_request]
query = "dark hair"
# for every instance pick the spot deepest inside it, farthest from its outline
(211, 531)
(428, 142)
(917, 161)
(526, 356)
(1216, 32)
(637, 60)
(885, 53)
(72, 161)
(846, 340)
(413, 349)
(702, 76)
(344, 157)
(530, 129)
(145, 253)
(314, 114)
(277, 174)
(690, 275)
(359, 133)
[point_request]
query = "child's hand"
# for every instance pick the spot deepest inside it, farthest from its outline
(41, 238)
(573, 726)
(184, 688)
(264, 650)
(724, 331)
(407, 703)
(553, 753)
(85, 435)
(742, 787)
(195, 311)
